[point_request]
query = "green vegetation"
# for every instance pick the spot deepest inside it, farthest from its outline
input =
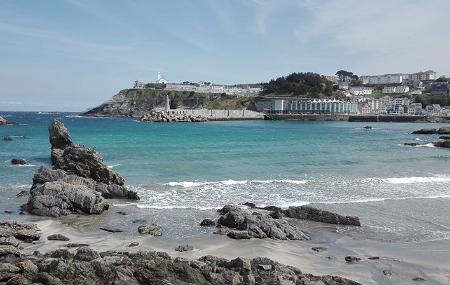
(443, 79)
(149, 98)
(443, 100)
(305, 84)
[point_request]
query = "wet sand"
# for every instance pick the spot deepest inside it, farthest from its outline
(404, 260)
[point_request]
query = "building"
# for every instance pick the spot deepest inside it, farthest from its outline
(434, 110)
(359, 91)
(313, 106)
(138, 85)
(400, 89)
(423, 76)
(440, 88)
(384, 79)
(160, 79)
(415, 109)
(399, 105)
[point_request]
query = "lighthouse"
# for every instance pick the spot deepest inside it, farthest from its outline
(167, 106)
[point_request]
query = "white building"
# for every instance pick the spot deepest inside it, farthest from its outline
(382, 79)
(395, 89)
(423, 76)
(415, 109)
(160, 79)
(314, 106)
(138, 85)
(358, 91)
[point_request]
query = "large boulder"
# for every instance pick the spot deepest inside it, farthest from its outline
(19, 230)
(313, 214)
(77, 159)
(87, 266)
(3, 121)
(18, 161)
(108, 191)
(241, 223)
(59, 198)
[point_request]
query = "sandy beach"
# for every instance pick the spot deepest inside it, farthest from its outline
(382, 262)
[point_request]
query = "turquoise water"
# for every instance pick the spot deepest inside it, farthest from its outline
(207, 165)
(399, 192)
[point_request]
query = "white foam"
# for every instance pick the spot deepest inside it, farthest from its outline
(416, 179)
(114, 165)
(426, 145)
(189, 184)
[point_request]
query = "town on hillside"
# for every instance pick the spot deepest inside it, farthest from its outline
(398, 94)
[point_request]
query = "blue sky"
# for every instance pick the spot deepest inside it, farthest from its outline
(75, 54)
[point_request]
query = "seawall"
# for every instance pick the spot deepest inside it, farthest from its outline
(220, 115)
(307, 117)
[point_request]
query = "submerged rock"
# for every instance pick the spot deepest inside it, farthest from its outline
(444, 144)
(184, 247)
(207, 223)
(243, 224)
(7, 138)
(87, 266)
(443, 131)
(352, 259)
(18, 161)
(313, 214)
(425, 132)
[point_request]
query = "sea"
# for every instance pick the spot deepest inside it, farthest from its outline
(400, 192)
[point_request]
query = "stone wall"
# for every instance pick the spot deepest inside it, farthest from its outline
(219, 115)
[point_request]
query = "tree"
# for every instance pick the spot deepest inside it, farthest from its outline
(346, 76)
(308, 84)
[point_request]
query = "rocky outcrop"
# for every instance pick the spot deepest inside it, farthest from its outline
(84, 162)
(313, 214)
(3, 121)
(18, 161)
(19, 230)
(77, 159)
(429, 131)
(240, 223)
(152, 229)
(87, 266)
(60, 198)
(109, 191)
(444, 144)
(168, 117)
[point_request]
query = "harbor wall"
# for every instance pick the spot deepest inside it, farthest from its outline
(220, 115)
(308, 117)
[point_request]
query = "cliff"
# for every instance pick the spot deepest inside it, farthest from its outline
(139, 102)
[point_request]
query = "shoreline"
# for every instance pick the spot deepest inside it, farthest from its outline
(404, 260)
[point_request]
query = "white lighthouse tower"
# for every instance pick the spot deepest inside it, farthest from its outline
(160, 79)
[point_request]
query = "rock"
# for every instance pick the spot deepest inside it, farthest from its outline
(418, 279)
(58, 237)
(387, 272)
(443, 131)
(412, 144)
(318, 248)
(90, 267)
(44, 175)
(133, 244)
(111, 230)
(425, 132)
(163, 116)
(152, 229)
(18, 161)
(239, 235)
(7, 138)
(184, 247)
(313, 214)
(139, 221)
(8, 212)
(352, 259)
(444, 144)
(86, 254)
(444, 137)
(9, 241)
(22, 231)
(207, 223)
(373, 258)
(22, 193)
(81, 161)
(249, 204)
(70, 245)
(59, 198)
(257, 225)
(276, 215)
(3, 121)
(122, 213)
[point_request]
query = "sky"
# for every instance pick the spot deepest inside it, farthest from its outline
(69, 55)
